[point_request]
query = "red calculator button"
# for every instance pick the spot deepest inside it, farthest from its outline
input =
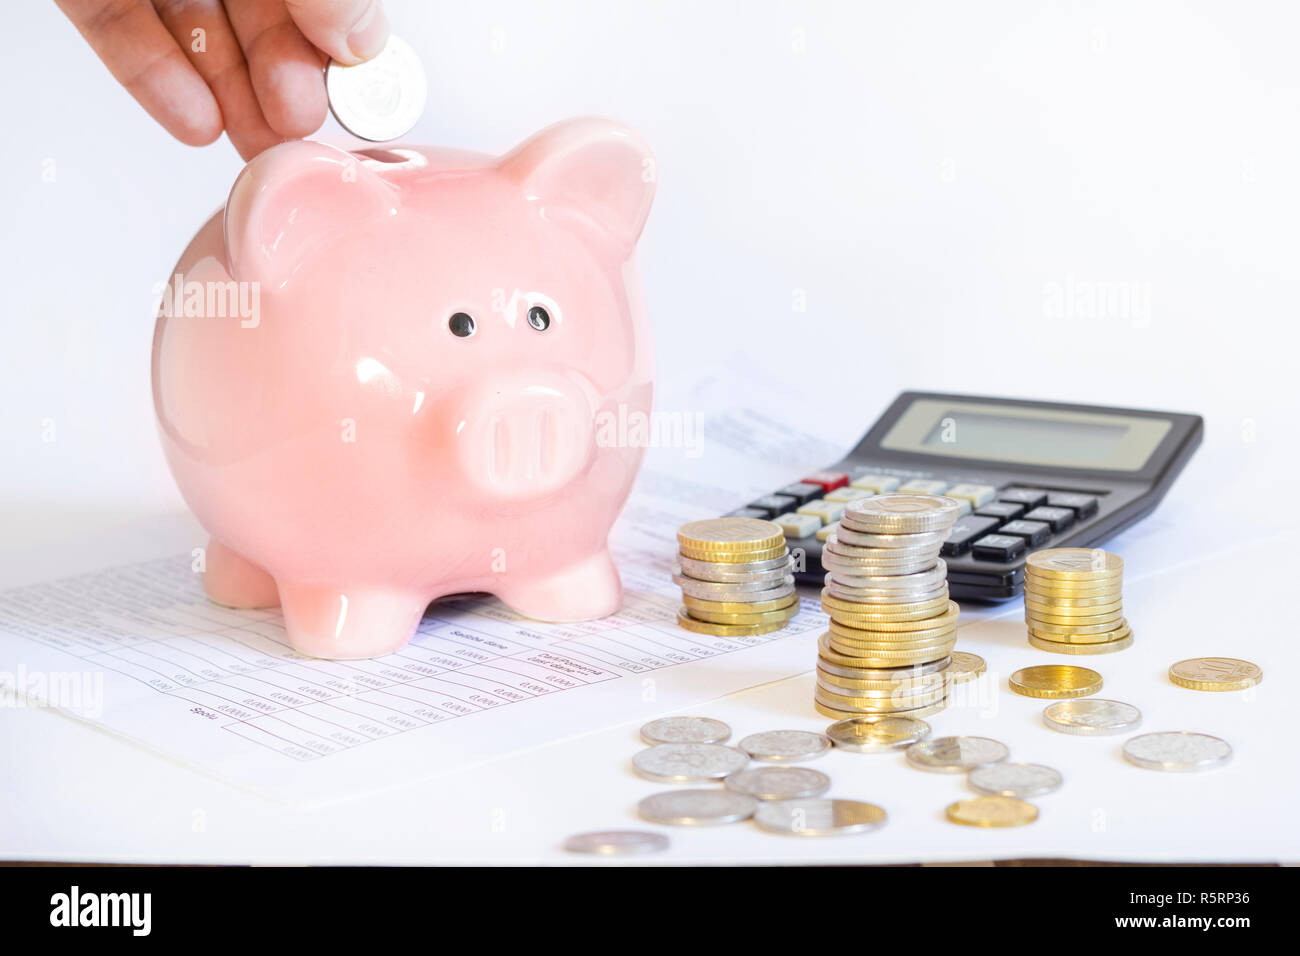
(829, 480)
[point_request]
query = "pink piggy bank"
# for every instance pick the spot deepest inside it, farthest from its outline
(384, 377)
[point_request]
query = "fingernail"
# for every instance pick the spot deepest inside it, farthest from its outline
(371, 32)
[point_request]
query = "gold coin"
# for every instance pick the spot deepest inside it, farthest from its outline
(1119, 633)
(1059, 647)
(869, 635)
(910, 611)
(684, 620)
(836, 714)
(965, 666)
(730, 535)
(1055, 681)
(1215, 673)
(734, 557)
(762, 617)
(740, 607)
(877, 660)
(884, 648)
(992, 812)
(1074, 563)
(934, 622)
(1035, 608)
(886, 673)
(1068, 603)
(1045, 629)
(877, 705)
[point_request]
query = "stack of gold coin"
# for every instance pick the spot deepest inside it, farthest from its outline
(892, 626)
(736, 577)
(1073, 603)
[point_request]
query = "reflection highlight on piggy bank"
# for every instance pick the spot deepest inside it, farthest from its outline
(379, 379)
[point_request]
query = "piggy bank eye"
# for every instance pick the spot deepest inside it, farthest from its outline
(539, 318)
(461, 324)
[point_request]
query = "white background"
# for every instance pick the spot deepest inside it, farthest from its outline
(926, 177)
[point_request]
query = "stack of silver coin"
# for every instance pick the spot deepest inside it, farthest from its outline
(892, 626)
(736, 577)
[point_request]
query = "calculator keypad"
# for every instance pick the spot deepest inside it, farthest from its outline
(995, 525)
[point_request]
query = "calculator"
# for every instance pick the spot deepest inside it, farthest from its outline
(1028, 475)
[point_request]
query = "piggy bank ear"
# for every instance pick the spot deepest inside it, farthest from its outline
(291, 199)
(588, 169)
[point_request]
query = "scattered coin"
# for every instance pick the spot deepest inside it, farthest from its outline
(992, 812)
(617, 842)
(876, 733)
(956, 754)
(779, 783)
(382, 98)
(1177, 751)
(696, 808)
(1014, 780)
(1215, 673)
(1055, 681)
(785, 746)
(965, 667)
(821, 817)
(1092, 717)
(685, 730)
(688, 763)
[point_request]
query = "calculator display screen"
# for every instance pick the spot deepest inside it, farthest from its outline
(1027, 435)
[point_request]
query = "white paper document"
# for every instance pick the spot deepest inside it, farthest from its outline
(138, 650)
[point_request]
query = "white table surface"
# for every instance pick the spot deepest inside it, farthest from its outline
(854, 200)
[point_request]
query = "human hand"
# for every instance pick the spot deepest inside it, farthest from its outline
(250, 67)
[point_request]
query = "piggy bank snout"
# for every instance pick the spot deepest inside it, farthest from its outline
(521, 440)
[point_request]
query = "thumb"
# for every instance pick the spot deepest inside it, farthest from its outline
(348, 30)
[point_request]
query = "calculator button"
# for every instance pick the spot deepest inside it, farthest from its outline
(976, 494)
(827, 531)
(828, 511)
(827, 480)
(1029, 497)
(801, 491)
(1034, 532)
(965, 531)
(772, 505)
(1058, 518)
(846, 494)
(998, 547)
(963, 506)
(922, 486)
(746, 513)
(880, 484)
(1084, 506)
(798, 526)
(1003, 510)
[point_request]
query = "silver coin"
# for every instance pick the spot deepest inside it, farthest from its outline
(722, 573)
(617, 842)
(1014, 780)
(877, 733)
(1091, 717)
(889, 542)
(688, 763)
(779, 783)
(814, 818)
(854, 567)
(709, 591)
(925, 580)
(785, 746)
(906, 672)
(901, 514)
(382, 98)
(874, 596)
(685, 730)
(956, 754)
(697, 808)
(1178, 750)
(756, 581)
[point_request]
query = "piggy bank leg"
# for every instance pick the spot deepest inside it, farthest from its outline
(352, 624)
(234, 581)
(580, 592)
